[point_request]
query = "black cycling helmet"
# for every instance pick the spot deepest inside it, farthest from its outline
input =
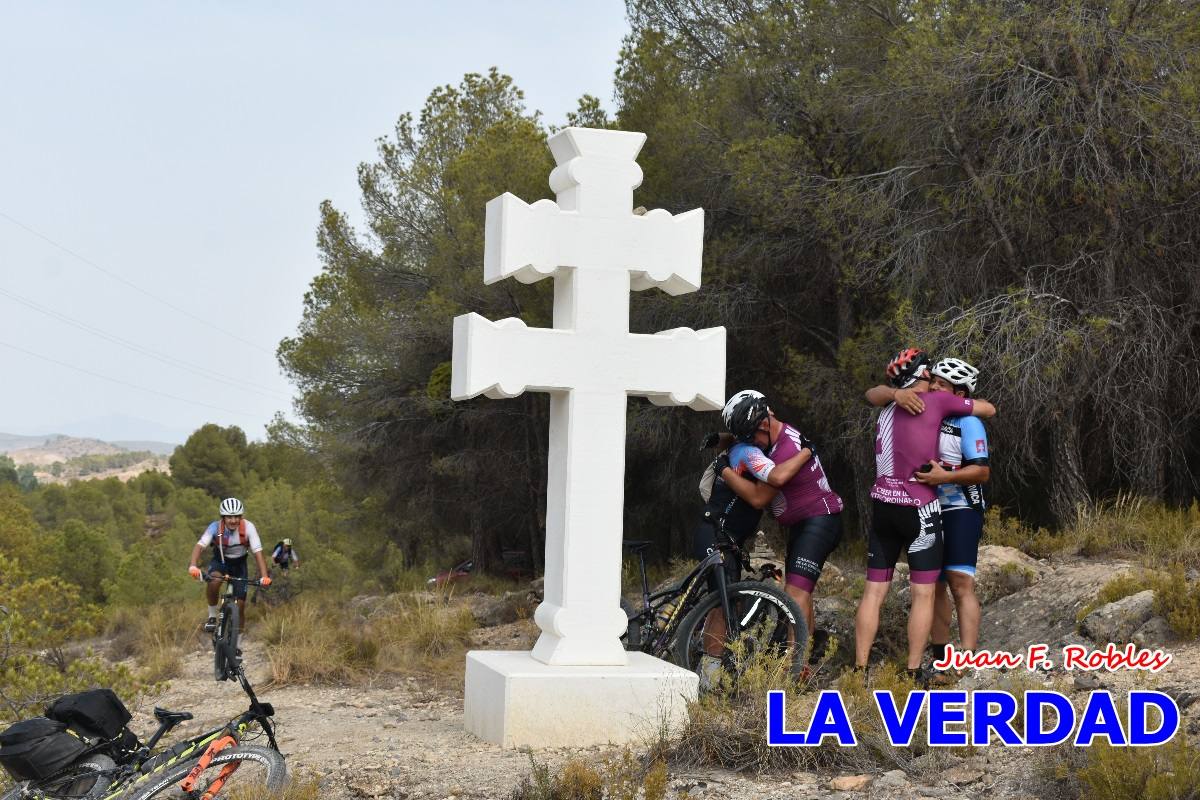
(908, 367)
(744, 412)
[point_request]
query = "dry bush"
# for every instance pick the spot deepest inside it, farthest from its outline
(311, 640)
(619, 777)
(1175, 598)
(727, 728)
(1000, 529)
(1140, 528)
(301, 787)
(1168, 772)
(156, 636)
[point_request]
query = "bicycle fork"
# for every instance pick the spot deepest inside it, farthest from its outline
(188, 784)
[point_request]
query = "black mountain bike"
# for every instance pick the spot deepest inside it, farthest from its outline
(760, 615)
(216, 761)
(227, 658)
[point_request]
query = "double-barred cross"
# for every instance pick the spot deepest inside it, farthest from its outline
(596, 250)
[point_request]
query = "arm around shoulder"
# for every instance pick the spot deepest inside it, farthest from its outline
(880, 395)
(983, 409)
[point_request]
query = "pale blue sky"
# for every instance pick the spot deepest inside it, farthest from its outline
(184, 148)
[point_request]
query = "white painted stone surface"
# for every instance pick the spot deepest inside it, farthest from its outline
(514, 700)
(596, 250)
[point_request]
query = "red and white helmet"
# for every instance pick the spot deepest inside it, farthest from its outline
(908, 367)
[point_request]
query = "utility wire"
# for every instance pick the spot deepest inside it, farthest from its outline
(134, 286)
(126, 383)
(203, 372)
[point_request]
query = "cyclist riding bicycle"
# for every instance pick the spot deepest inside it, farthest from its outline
(232, 537)
(285, 555)
(790, 478)
(905, 511)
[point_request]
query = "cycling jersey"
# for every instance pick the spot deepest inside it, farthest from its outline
(806, 495)
(904, 442)
(229, 543)
(962, 443)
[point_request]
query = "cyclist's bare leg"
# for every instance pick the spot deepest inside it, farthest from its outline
(213, 590)
(942, 615)
(866, 619)
(920, 620)
(714, 632)
(241, 601)
(962, 586)
(804, 599)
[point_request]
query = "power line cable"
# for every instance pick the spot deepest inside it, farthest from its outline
(126, 383)
(203, 372)
(134, 286)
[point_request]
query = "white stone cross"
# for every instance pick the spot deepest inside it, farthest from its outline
(597, 250)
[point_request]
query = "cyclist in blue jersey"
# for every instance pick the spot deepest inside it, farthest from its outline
(958, 475)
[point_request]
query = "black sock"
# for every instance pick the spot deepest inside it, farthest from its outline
(938, 650)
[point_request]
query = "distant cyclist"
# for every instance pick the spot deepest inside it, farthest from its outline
(285, 555)
(233, 538)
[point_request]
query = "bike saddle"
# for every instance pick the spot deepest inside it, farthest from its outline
(162, 715)
(636, 545)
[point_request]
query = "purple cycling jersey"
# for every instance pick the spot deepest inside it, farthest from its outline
(904, 442)
(806, 495)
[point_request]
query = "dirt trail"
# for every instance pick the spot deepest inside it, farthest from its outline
(399, 739)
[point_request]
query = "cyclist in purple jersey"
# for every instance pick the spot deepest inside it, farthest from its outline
(792, 481)
(905, 512)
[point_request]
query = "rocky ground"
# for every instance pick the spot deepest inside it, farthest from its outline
(399, 739)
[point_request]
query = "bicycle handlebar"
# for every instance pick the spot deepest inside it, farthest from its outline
(231, 579)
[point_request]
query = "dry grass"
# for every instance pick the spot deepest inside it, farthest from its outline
(727, 728)
(300, 787)
(1127, 527)
(156, 636)
(620, 777)
(313, 641)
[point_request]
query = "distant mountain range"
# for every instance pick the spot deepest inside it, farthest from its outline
(59, 447)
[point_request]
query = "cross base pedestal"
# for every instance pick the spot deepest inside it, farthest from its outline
(513, 700)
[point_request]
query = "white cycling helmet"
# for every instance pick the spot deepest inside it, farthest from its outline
(231, 507)
(957, 372)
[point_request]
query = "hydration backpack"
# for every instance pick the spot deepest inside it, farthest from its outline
(220, 536)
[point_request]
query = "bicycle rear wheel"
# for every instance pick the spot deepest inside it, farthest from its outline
(769, 622)
(257, 768)
(86, 779)
(225, 644)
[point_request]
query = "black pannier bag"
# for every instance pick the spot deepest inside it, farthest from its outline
(37, 748)
(96, 714)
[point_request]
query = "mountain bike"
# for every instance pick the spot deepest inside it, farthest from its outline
(227, 658)
(760, 616)
(195, 768)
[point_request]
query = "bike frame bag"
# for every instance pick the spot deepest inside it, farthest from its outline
(35, 749)
(97, 714)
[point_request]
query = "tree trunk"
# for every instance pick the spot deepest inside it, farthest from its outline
(1068, 489)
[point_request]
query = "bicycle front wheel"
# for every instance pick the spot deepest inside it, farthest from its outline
(225, 646)
(255, 768)
(768, 620)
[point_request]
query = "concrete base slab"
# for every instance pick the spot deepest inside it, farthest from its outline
(513, 700)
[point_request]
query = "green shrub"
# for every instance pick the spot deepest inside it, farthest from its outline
(1168, 772)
